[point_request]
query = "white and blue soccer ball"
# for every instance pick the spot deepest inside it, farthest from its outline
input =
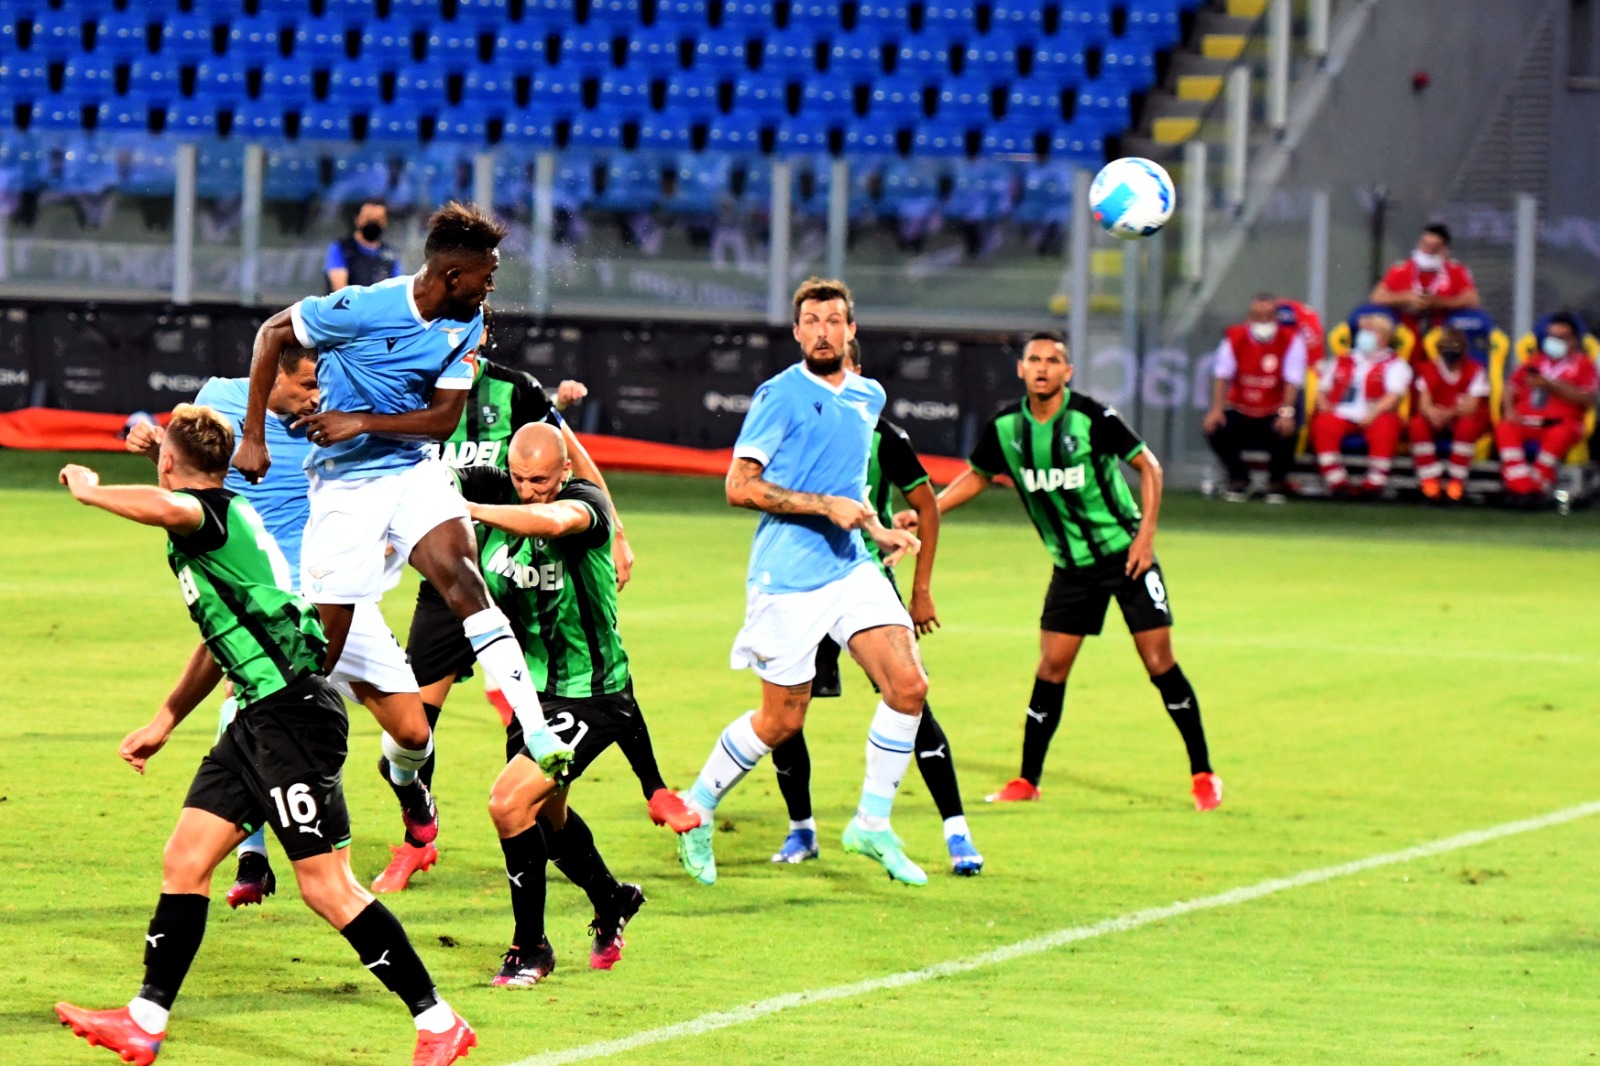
(1132, 197)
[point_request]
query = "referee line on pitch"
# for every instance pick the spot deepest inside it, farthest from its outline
(724, 1019)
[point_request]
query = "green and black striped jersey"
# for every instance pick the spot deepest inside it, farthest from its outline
(561, 594)
(239, 591)
(892, 464)
(501, 402)
(1068, 474)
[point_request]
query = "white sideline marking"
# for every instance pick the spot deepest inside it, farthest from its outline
(707, 1023)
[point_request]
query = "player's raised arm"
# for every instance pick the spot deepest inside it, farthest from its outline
(562, 518)
(276, 333)
(145, 504)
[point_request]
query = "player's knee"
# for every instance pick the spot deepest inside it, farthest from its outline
(1054, 668)
(908, 691)
(336, 900)
(184, 871)
(512, 809)
(411, 731)
(1157, 661)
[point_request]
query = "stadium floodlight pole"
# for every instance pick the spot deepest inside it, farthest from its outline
(183, 208)
(1238, 134)
(1278, 42)
(255, 158)
(838, 216)
(1317, 252)
(544, 214)
(1525, 251)
(1193, 204)
(778, 311)
(1078, 280)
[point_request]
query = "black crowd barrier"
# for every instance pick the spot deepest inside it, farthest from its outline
(671, 382)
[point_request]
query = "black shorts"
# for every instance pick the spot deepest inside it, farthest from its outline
(590, 724)
(279, 763)
(437, 646)
(1077, 599)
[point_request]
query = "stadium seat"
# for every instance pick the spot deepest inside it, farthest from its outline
(827, 99)
(596, 129)
(965, 102)
(258, 120)
(735, 133)
(461, 125)
(486, 16)
(155, 79)
(658, 50)
(1089, 20)
(761, 94)
(632, 184)
(1018, 17)
(1078, 144)
(530, 127)
(722, 53)
(790, 54)
(797, 136)
(523, 47)
(1339, 337)
(196, 118)
(1012, 137)
(320, 42)
(1035, 98)
(857, 56)
(686, 15)
(940, 138)
(1060, 60)
(122, 35)
(626, 92)
(1103, 107)
(588, 49)
(816, 16)
(896, 100)
(1154, 24)
(255, 39)
(883, 17)
(56, 34)
(186, 38)
(91, 78)
(982, 191)
(701, 182)
(422, 14)
(122, 114)
(558, 91)
(1046, 195)
(26, 77)
(324, 121)
(286, 82)
(290, 177)
(490, 87)
(950, 20)
(393, 122)
(422, 84)
(753, 18)
(669, 131)
(455, 44)
(357, 13)
(355, 83)
(54, 114)
(694, 94)
(869, 137)
(992, 58)
(620, 16)
(550, 13)
(1129, 66)
(922, 58)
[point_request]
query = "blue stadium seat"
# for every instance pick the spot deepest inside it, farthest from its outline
(558, 91)
(1078, 143)
(219, 169)
(868, 137)
(259, 120)
(186, 38)
(621, 16)
(1060, 60)
(393, 122)
(587, 49)
(686, 15)
(722, 53)
(193, 119)
(1035, 98)
(487, 16)
(922, 58)
(422, 14)
(669, 131)
(454, 44)
(531, 127)
(626, 92)
(122, 35)
(896, 99)
(254, 39)
(814, 15)
(523, 47)
(694, 94)
(940, 138)
(123, 113)
(286, 82)
(1103, 108)
(1154, 24)
(657, 50)
(826, 99)
(491, 87)
(858, 56)
(25, 77)
(992, 57)
(1089, 20)
(983, 190)
(319, 42)
(950, 19)
(884, 17)
(1130, 66)
(790, 54)
(702, 181)
(56, 34)
(1023, 18)
(632, 184)
(1046, 195)
(754, 18)
(551, 14)
(800, 136)
(1012, 138)
(357, 13)
(596, 129)
(56, 115)
(966, 102)
(422, 84)
(461, 125)
(89, 77)
(290, 177)
(155, 78)
(735, 133)
(761, 94)
(355, 83)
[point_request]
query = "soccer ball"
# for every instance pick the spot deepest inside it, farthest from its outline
(1132, 197)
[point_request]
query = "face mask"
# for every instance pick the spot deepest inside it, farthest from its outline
(1263, 331)
(1366, 341)
(1555, 347)
(1425, 261)
(371, 231)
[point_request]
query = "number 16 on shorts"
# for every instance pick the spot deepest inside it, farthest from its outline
(297, 807)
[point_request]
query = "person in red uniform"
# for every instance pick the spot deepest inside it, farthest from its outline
(1546, 401)
(1360, 392)
(1429, 285)
(1259, 369)
(1452, 403)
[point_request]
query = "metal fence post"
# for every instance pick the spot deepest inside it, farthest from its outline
(1278, 42)
(1522, 269)
(1317, 253)
(483, 180)
(544, 215)
(778, 244)
(1078, 281)
(255, 167)
(183, 208)
(1194, 210)
(838, 217)
(1238, 134)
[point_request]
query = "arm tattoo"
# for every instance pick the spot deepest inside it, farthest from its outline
(770, 498)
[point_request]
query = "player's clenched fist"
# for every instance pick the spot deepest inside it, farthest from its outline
(847, 513)
(251, 459)
(78, 479)
(144, 439)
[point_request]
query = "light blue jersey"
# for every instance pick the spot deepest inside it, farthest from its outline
(376, 353)
(280, 498)
(809, 437)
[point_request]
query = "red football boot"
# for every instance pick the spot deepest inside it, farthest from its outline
(114, 1030)
(667, 808)
(1015, 791)
(501, 704)
(408, 859)
(1207, 791)
(441, 1049)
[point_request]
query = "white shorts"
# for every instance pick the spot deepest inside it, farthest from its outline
(342, 554)
(372, 654)
(782, 629)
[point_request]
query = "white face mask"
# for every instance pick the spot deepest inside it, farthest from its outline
(1263, 331)
(1366, 341)
(1555, 347)
(1425, 261)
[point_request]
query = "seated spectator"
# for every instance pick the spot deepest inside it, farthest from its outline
(1546, 402)
(1429, 285)
(1452, 404)
(362, 257)
(1360, 392)
(1259, 369)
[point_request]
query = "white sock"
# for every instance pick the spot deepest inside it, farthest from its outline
(501, 657)
(890, 740)
(735, 754)
(405, 762)
(150, 1017)
(957, 827)
(436, 1019)
(804, 823)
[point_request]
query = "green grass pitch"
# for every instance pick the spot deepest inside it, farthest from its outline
(1371, 678)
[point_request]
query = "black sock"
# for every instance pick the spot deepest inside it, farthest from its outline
(641, 755)
(827, 683)
(382, 946)
(937, 765)
(1184, 707)
(792, 761)
(176, 929)
(525, 858)
(572, 850)
(1044, 714)
(426, 773)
